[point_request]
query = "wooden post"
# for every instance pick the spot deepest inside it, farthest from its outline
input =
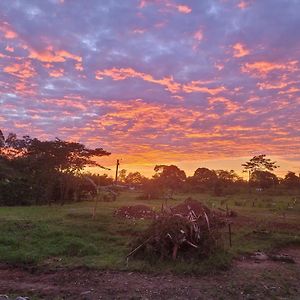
(117, 170)
(229, 231)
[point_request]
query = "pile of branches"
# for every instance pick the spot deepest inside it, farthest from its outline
(188, 234)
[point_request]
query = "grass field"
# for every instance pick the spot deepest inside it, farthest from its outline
(67, 235)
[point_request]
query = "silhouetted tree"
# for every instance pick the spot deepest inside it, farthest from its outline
(122, 175)
(291, 180)
(263, 179)
(169, 177)
(135, 178)
(205, 178)
(44, 165)
(228, 182)
(259, 163)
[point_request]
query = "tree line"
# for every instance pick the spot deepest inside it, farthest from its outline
(45, 172)
(40, 172)
(171, 179)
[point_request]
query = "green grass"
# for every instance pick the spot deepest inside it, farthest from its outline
(67, 235)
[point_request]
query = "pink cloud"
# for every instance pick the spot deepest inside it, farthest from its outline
(50, 55)
(168, 82)
(265, 67)
(7, 30)
(240, 50)
(21, 70)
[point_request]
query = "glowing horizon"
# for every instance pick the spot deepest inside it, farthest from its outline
(190, 83)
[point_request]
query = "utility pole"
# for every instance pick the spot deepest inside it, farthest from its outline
(117, 170)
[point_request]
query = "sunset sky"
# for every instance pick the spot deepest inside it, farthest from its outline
(193, 83)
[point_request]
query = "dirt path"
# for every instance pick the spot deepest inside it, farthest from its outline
(247, 279)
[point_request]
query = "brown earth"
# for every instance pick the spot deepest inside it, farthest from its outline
(247, 279)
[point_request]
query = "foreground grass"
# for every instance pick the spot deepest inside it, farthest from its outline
(67, 236)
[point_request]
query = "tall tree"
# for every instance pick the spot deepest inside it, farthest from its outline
(135, 178)
(122, 175)
(263, 179)
(43, 164)
(62, 158)
(291, 180)
(205, 178)
(259, 163)
(11, 147)
(170, 176)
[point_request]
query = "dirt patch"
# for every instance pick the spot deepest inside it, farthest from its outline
(135, 212)
(246, 280)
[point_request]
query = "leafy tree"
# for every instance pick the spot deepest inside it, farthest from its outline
(62, 156)
(259, 163)
(227, 177)
(228, 182)
(11, 147)
(122, 175)
(135, 178)
(205, 178)
(169, 177)
(291, 180)
(151, 190)
(263, 179)
(46, 168)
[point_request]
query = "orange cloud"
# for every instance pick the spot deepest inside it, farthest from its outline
(24, 88)
(78, 66)
(124, 73)
(271, 86)
(231, 106)
(184, 9)
(239, 50)
(203, 135)
(291, 90)
(50, 55)
(197, 86)
(67, 54)
(56, 73)
(168, 82)
(65, 103)
(22, 70)
(8, 32)
(265, 67)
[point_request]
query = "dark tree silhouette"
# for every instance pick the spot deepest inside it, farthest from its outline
(169, 177)
(263, 179)
(43, 168)
(135, 178)
(291, 180)
(205, 178)
(260, 163)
